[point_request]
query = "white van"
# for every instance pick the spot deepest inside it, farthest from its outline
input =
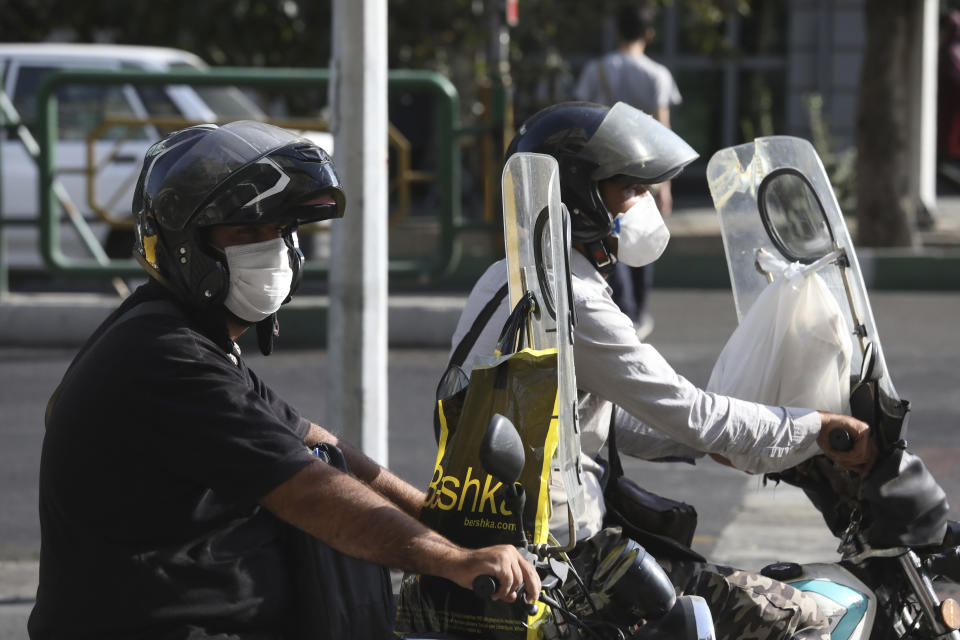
(117, 152)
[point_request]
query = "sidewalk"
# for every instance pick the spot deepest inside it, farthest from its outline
(18, 585)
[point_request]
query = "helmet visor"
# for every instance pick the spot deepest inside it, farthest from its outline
(631, 143)
(180, 184)
(293, 185)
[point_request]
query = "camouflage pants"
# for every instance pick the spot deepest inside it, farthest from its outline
(749, 606)
(745, 606)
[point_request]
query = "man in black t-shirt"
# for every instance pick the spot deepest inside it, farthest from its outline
(168, 465)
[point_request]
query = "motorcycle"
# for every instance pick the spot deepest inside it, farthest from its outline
(899, 552)
(629, 594)
(635, 602)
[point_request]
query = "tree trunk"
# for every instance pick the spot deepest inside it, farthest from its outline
(885, 210)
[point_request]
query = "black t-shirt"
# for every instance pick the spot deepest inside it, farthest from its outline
(157, 449)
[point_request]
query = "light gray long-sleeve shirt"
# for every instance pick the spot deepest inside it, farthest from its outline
(659, 412)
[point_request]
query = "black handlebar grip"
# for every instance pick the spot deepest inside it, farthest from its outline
(840, 440)
(485, 586)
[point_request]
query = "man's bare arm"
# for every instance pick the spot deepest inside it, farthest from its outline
(345, 513)
(381, 480)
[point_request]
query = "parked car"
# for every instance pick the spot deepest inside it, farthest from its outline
(117, 150)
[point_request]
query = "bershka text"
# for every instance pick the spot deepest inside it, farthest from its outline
(489, 524)
(449, 492)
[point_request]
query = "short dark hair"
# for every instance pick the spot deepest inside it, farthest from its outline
(633, 21)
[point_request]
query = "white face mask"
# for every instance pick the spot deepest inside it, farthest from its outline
(641, 232)
(260, 278)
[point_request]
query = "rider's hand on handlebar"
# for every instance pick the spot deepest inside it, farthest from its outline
(504, 563)
(861, 456)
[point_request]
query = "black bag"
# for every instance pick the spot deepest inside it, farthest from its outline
(466, 505)
(663, 526)
(452, 388)
(334, 596)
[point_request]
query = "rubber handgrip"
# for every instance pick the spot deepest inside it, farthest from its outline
(841, 440)
(485, 586)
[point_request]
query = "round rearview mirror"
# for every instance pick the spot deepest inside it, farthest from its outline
(501, 450)
(793, 216)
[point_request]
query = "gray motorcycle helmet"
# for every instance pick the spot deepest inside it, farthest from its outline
(244, 172)
(592, 143)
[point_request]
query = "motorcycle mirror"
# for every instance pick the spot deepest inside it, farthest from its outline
(501, 451)
(793, 216)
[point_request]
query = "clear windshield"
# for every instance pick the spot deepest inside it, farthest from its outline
(773, 195)
(537, 238)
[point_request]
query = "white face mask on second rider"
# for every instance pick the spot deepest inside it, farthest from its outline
(642, 235)
(260, 278)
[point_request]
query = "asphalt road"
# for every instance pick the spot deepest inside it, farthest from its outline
(918, 332)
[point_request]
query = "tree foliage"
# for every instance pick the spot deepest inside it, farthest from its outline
(238, 32)
(548, 47)
(454, 37)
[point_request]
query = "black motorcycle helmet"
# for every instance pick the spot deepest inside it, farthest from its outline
(244, 172)
(592, 143)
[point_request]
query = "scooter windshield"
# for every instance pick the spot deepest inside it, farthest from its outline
(776, 205)
(537, 239)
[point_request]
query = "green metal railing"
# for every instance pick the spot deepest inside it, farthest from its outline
(447, 132)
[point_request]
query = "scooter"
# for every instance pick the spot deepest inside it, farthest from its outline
(899, 551)
(628, 595)
(637, 602)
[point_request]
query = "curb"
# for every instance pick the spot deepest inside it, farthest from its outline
(412, 321)
(51, 320)
(67, 320)
(883, 269)
(428, 320)
(18, 581)
(904, 269)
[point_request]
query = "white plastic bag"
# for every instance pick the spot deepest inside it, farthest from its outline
(792, 348)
